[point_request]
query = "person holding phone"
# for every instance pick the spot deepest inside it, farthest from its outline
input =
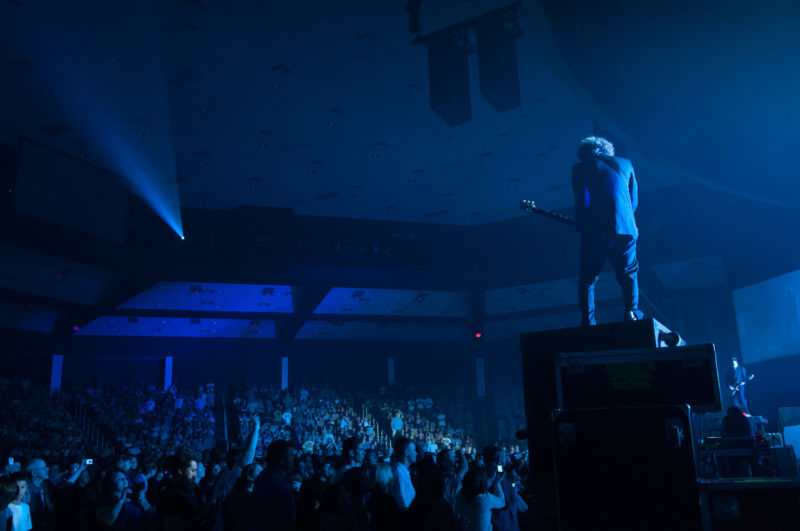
(115, 508)
(481, 492)
(505, 517)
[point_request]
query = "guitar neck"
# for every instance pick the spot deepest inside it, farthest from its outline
(552, 215)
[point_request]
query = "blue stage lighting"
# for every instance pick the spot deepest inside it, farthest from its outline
(140, 151)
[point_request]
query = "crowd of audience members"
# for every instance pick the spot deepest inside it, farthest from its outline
(312, 418)
(309, 459)
(509, 412)
(144, 416)
(442, 416)
(435, 416)
(36, 423)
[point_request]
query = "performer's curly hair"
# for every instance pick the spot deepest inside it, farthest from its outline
(592, 145)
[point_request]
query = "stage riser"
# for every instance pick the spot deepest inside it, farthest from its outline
(538, 352)
(625, 469)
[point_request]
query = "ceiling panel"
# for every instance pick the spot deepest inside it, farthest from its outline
(543, 295)
(373, 331)
(214, 296)
(397, 302)
(691, 274)
(178, 327)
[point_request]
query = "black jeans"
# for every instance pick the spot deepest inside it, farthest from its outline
(621, 250)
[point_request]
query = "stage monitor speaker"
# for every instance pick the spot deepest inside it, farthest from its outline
(626, 469)
(539, 348)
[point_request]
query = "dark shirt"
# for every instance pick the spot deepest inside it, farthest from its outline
(606, 196)
(181, 504)
(68, 500)
(127, 520)
(273, 506)
(507, 517)
(736, 425)
(225, 482)
(41, 505)
(430, 515)
(236, 510)
(384, 512)
(451, 487)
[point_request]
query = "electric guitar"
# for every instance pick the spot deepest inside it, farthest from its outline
(529, 206)
(735, 388)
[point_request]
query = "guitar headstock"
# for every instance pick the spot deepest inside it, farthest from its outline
(527, 205)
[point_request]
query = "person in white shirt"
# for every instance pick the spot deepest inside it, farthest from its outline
(21, 511)
(405, 453)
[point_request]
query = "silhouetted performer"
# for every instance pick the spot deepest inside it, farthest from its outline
(735, 424)
(605, 199)
(739, 381)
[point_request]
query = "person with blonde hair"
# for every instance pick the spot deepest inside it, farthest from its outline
(383, 509)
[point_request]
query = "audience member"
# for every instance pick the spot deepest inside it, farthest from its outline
(181, 505)
(430, 511)
(237, 507)
(8, 493)
(454, 467)
(735, 424)
(480, 493)
(40, 492)
(505, 518)
(20, 511)
(352, 456)
(405, 453)
(114, 510)
(273, 501)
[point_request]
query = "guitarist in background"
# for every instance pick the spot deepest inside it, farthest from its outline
(739, 379)
(605, 199)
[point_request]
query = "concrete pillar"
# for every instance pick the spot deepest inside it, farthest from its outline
(390, 369)
(480, 375)
(56, 367)
(167, 372)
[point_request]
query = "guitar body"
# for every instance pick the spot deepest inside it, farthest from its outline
(740, 385)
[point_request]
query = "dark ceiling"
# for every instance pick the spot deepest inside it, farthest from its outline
(407, 152)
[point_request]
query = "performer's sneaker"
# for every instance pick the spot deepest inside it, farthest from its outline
(634, 315)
